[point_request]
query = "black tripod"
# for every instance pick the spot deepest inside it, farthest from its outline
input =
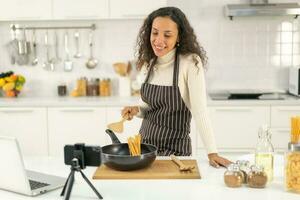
(70, 181)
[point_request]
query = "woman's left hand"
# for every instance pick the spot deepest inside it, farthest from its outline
(216, 161)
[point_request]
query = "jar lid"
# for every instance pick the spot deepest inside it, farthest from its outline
(233, 167)
(257, 168)
(294, 147)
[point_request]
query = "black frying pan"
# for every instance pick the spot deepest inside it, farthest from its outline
(117, 155)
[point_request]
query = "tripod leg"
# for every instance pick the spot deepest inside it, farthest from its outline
(91, 185)
(64, 189)
(70, 185)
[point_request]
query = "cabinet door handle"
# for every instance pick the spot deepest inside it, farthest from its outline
(288, 110)
(83, 17)
(76, 110)
(16, 111)
(133, 15)
(281, 130)
(234, 110)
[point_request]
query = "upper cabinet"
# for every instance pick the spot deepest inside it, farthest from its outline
(13, 10)
(80, 9)
(134, 8)
(18, 10)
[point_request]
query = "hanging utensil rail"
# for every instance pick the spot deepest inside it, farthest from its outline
(15, 27)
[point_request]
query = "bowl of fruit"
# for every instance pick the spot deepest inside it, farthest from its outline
(11, 84)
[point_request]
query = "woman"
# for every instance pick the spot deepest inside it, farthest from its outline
(174, 88)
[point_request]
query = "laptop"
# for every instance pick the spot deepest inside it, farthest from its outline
(14, 176)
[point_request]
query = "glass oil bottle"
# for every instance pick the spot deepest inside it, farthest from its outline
(264, 153)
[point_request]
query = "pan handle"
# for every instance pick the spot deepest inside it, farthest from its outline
(112, 136)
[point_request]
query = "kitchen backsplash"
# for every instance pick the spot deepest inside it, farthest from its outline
(252, 52)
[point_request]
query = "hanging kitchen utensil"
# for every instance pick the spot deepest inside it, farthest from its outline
(117, 155)
(34, 51)
(182, 166)
(48, 65)
(77, 36)
(68, 64)
(56, 58)
(12, 47)
(22, 57)
(92, 62)
(22, 45)
(117, 126)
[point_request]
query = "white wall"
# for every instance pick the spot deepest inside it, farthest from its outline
(253, 52)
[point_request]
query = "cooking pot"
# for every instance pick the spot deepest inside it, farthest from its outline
(117, 155)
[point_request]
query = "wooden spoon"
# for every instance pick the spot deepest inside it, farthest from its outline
(117, 127)
(182, 166)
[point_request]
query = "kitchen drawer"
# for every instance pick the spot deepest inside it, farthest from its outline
(237, 127)
(29, 126)
(72, 125)
(280, 138)
(281, 115)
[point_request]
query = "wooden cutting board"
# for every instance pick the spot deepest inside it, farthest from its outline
(160, 169)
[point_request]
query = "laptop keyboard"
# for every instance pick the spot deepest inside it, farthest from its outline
(35, 184)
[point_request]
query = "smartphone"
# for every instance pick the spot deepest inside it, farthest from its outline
(86, 155)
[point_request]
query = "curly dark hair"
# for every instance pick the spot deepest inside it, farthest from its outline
(187, 39)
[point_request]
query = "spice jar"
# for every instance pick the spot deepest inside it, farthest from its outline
(105, 87)
(233, 177)
(82, 86)
(257, 178)
(292, 168)
(244, 166)
(92, 87)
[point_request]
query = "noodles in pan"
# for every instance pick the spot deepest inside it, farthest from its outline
(134, 144)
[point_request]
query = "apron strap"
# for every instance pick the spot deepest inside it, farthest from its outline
(176, 70)
(150, 69)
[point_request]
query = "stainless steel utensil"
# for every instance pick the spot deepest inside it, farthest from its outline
(68, 64)
(77, 36)
(56, 58)
(47, 65)
(12, 47)
(34, 53)
(92, 62)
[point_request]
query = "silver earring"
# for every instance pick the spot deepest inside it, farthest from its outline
(177, 44)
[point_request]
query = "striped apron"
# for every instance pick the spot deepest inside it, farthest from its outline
(166, 123)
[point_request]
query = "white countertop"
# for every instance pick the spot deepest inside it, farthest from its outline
(123, 101)
(211, 186)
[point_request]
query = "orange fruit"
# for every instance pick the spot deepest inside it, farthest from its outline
(10, 93)
(13, 77)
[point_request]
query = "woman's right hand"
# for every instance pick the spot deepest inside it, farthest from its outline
(129, 112)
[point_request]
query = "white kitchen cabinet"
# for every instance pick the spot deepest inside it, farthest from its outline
(28, 125)
(134, 8)
(237, 127)
(280, 138)
(17, 10)
(70, 125)
(131, 127)
(281, 124)
(281, 115)
(80, 9)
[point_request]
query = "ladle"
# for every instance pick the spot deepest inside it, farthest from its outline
(92, 62)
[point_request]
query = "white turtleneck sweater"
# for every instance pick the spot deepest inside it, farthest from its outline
(191, 83)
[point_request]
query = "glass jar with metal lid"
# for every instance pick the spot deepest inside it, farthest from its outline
(292, 168)
(257, 177)
(244, 166)
(233, 177)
